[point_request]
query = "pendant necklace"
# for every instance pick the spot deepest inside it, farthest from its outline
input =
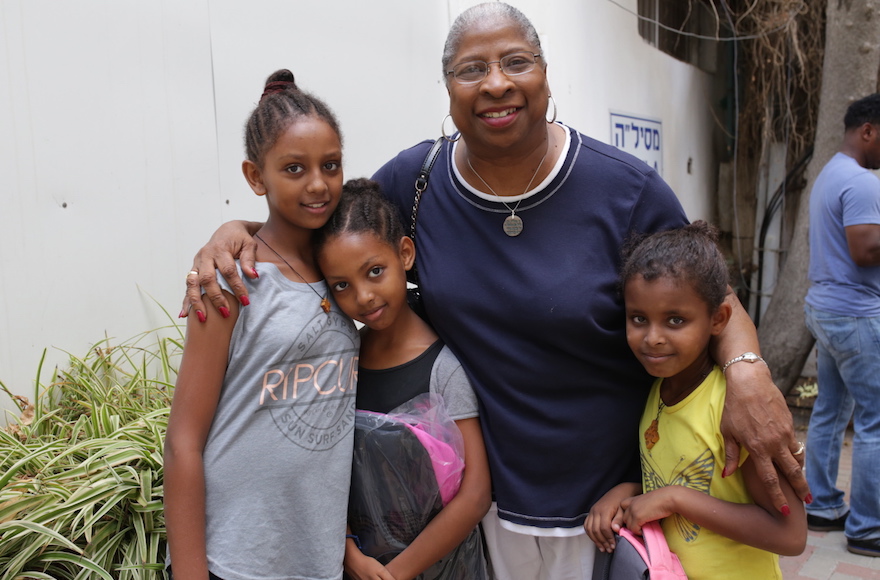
(325, 302)
(513, 224)
(652, 433)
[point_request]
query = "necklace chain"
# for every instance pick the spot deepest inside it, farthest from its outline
(325, 302)
(513, 224)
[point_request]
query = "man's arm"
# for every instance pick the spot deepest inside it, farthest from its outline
(864, 244)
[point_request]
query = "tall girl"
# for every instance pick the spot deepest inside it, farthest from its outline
(364, 255)
(259, 441)
(674, 284)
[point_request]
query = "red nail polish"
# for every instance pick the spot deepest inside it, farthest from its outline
(182, 313)
(224, 311)
(724, 472)
(201, 316)
(785, 510)
(809, 498)
(254, 270)
(245, 301)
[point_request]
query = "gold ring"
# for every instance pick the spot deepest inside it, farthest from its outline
(800, 449)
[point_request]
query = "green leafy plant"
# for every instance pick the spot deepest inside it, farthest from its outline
(81, 467)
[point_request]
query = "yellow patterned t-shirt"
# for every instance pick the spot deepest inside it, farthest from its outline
(689, 450)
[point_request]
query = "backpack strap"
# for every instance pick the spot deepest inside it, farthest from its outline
(637, 543)
(662, 563)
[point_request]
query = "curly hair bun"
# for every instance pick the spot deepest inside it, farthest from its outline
(703, 228)
(278, 81)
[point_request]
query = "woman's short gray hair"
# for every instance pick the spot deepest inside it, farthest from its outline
(492, 11)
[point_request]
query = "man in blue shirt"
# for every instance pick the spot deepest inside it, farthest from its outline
(843, 313)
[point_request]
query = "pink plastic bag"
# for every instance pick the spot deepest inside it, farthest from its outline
(426, 417)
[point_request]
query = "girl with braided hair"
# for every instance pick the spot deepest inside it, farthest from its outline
(364, 255)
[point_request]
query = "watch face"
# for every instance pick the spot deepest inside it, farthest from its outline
(751, 357)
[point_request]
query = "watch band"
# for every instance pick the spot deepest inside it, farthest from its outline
(748, 357)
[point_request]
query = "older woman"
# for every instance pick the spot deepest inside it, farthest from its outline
(519, 235)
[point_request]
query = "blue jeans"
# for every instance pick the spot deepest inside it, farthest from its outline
(849, 388)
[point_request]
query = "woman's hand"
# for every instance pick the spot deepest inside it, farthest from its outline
(606, 516)
(757, 417)
(755, 413)
(231, 240)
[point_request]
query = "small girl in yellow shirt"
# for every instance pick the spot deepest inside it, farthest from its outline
(674, 284)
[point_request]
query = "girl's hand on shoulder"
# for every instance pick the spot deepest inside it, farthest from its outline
(606, 515)
(362, 567)
(648, 507)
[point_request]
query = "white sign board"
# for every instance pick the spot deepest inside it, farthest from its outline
(640, 137)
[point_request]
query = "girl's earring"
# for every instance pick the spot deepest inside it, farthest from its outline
(551, 100)
(443, 130)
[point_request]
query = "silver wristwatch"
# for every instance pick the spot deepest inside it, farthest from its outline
(748, 357)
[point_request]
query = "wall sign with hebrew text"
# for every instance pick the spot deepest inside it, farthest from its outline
(639, 136)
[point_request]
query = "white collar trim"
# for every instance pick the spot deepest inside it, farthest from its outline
(515, 198)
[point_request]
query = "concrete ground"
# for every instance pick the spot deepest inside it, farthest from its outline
(825, 557)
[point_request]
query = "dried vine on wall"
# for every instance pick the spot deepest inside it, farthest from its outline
(782, 64)
(780, 47)
(782, 67)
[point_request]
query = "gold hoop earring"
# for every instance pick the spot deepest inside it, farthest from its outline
(443, 130)
(550, 99)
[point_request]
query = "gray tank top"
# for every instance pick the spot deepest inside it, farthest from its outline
(278, 456)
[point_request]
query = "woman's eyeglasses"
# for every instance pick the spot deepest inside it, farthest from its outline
(518, 63)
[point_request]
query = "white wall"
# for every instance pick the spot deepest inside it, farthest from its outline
(120, 133)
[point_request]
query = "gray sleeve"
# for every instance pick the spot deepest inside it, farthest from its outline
(224, 285)
(450, 381)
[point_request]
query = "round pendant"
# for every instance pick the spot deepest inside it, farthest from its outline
(513, 225)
